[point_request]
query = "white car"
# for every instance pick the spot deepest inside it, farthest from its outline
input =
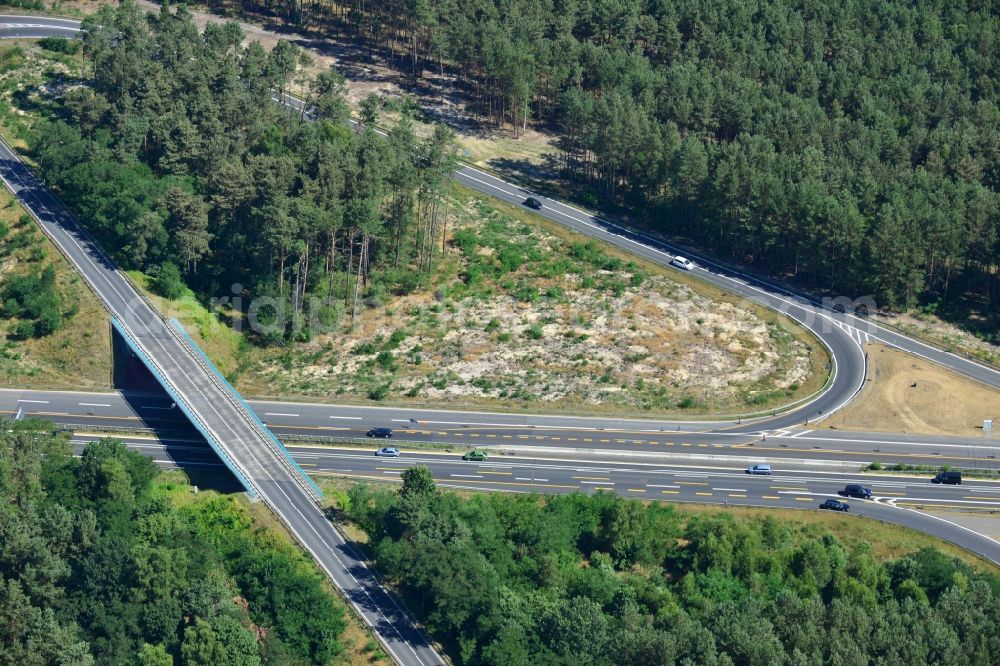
(758, 469)
(682, 262)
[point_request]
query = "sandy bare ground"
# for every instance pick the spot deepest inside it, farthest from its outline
(908, 394)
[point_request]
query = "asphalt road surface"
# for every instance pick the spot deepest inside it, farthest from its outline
(896, 499)
(542, 435)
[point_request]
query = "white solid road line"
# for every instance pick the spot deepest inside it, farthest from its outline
(280, 414)
(94, 404)
(346, 418)
(40, 402)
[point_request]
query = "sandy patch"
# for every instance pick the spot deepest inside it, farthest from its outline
(911, 395)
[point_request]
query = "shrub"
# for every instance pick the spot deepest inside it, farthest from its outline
(395, 339)
(492, 325)
(534, 333)
(60, 45)
(168, 282)
(22, 330)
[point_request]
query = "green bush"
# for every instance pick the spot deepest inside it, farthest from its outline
(60, 45)
(534, 332)
(168, 282)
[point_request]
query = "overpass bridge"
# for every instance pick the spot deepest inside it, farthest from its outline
(249, 450)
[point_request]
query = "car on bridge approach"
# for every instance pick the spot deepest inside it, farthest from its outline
(388, 452)
(532, 202)
(759, 469)
(380, 433)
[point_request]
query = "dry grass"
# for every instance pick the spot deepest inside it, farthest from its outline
(78, 355)
(908, 394)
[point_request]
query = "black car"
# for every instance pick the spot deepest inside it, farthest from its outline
(835, 505)
(380, 433)
(854, 490)
(954, 478)
(532, 202)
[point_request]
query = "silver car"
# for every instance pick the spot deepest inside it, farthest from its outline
(682, 262)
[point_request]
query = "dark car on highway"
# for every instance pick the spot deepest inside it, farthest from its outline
(532, 202)
(380, 433)
(954, 478)
(854, 490)
(835, 505)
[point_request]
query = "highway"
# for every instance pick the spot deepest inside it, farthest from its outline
(538, 435)
(541, 443)
(896, 499)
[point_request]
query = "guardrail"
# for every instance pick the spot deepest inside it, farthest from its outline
(232, 395)
(213, 440)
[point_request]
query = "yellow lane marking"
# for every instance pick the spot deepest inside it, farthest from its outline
(492, 436)
(684, 444)
(982, 497)
(669, 492)
(587, 439)
(449, 480)
(475, 434)
(636, 490)
(704, 446)
(605, 441)
(522, 437)
(307, 464)
(803, 499)
(690, 483)
(554, 439)
(704, 494)
(507, 436)
(770, 497)
(571, 439)
(736, 495)
(858, 453)
(443, 433)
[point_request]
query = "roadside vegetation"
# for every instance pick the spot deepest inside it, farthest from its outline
(850, 147)
(104, 562)
(598, 579)
(54, 331)
(379, 279)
